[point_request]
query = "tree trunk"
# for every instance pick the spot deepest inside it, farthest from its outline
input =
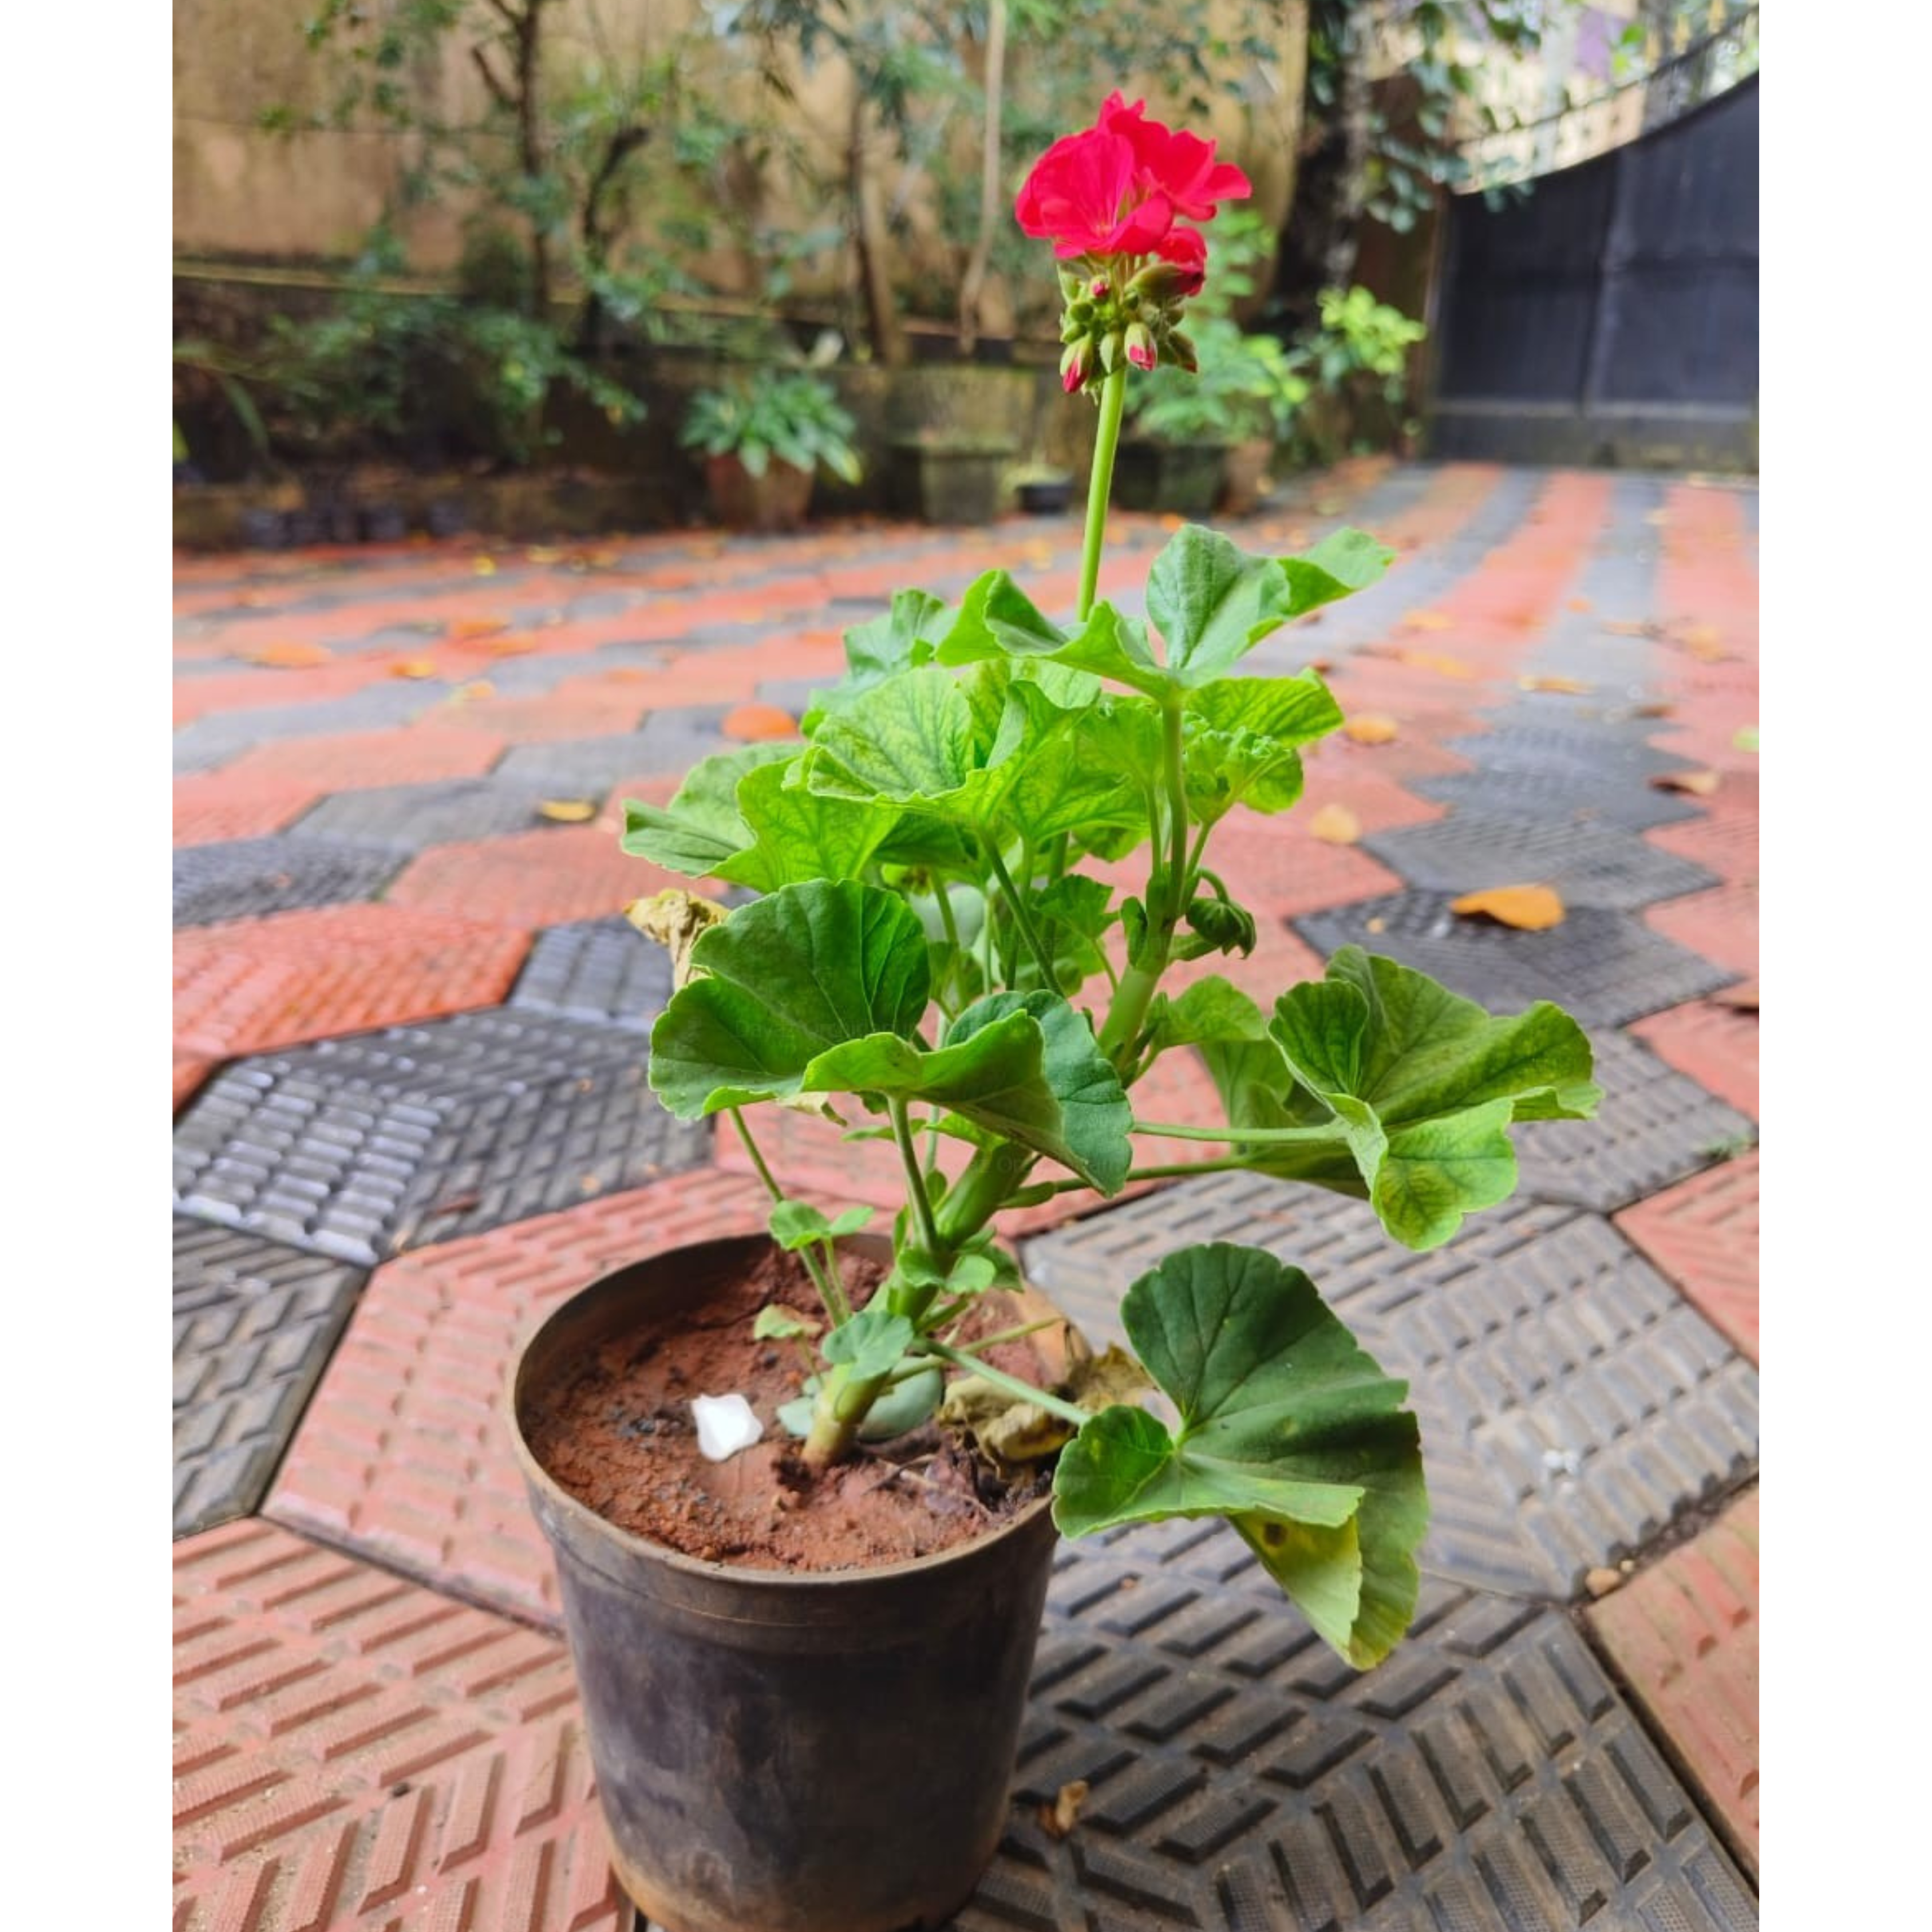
(1319, 240)
(870, 240)
(1292, 118)
(528, 27)
(974, 280)
(1338, 262)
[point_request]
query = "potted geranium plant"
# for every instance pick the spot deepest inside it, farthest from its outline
(764, 438)
(787, 1732)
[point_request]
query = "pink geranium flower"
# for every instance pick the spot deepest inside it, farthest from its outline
(1118, 187)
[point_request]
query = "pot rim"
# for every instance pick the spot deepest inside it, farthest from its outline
(676, 1560)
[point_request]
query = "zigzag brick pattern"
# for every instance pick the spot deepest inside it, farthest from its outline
(1703, 1234)
(246, 878)
(354, 1752)
(1653, 1127)
(402, 1457)
(1573, 1404)
(258, 984)
(1721, 924)
(253, 1326)
(1683, 1634)
(362, 1147)
(1603, 966)
(603, 969)
(531, 879)
(1716, 1045)
(1241, 1776)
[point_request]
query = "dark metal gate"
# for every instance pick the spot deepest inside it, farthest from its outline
(1611, 316)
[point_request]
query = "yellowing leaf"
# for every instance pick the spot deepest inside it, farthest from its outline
(568, 810)
(1371, 727)
(1579, 603)
(1426, 620)
(485, 566)
(1699, 784)
(412, 667)
(478, 627)
(510, 647)
(288, 657)
(1336, 825)
(1653, 711)
(1570, 687)
(1528, 908)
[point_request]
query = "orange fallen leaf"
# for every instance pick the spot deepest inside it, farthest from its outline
(1653, 711)
(1371, 727)
(1570, 687)
(1336, 825)
(543, 554)
(1528, 908)
(412, 667)
(1378, 924)
(1741, 998)
(1059, 1818)
(1434, 661)
(464, 693)
(1700, 785)
(567, 811)
(288, 657)
(510, 647)
(759, 721)
(1321, 666)
(1579, 603)
(1426, 620)
(478, 627)
(1171, 522)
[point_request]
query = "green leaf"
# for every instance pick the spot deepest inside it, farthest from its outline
(1342, 563)
(798, 835)
(797, 1224)
(1222, 769)
(1211, 602)
(781, 981)
(996, 618)
(1288, 1428)
(702, 827)
(870, 1344)
(903, 639)
(1211, 1009)
(1292, 711)
(1425, 1084)
(1086, 1128)
(1111, 645)
(777, 1323)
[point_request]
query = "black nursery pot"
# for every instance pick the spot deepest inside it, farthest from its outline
(779, 1752)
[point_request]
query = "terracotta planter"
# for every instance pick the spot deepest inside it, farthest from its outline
(777, 501)
(777, 1752)
(1244, 476)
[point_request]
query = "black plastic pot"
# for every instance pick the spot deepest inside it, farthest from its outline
(1046, 497)
(778, 1752)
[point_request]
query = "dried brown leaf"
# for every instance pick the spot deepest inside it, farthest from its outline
(1699, 784)
(1570, 687)
(567, 811)
(1336, 825)
(1426, 620)
(1058, 1819)
(1742, 998)
(289, 657)
(467, 628)
(1371, 727)
(1527, 908)
(1435, 660)
(412, 667)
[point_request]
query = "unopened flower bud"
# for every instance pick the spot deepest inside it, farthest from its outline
(1182, 351)
(1110, 352)
(1140, 346)
(1073, 367)
(1162, 282)
(1097, 288)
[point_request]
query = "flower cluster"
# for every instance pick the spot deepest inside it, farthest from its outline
(1113, 200)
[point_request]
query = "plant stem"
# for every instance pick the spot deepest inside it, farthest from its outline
(1261, 1136)
(1023, 920)
(1100, 487)
(1025, 1328)
(1053, 1404)
(922, 1206)
(824, 1278)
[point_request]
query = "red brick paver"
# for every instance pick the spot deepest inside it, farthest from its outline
(1721, 924)
(357, 760)
(257, 983)
(1684, 1635)
(531, 879)
(1703, 1234)
(212, 806)
(1715, 1045)
(353, 1751)
(402, 1456)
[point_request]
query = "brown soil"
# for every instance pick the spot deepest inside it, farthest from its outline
(620, 1438)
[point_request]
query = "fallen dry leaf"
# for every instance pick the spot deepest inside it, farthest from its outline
(1336, 825)
(464, 694)
(1570, 687)
(1371, 727)
(485, 566)
(288, 657)
(1321, 666)
(568, 810)
(543, 554)
(1378, 924)
(477, 627)
(1059, 1818)
(1742, 998)
(1434, 661)
(1619, 628)
(412, 667)
(1699, 784)
(1426, 620)
(1600, 1582)
(759, 721)
(1527, 908)
(1579, 603)
(1701, 638)
(510, 647)
(1653, 711)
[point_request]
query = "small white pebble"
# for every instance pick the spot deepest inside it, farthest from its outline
(725, 1425)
